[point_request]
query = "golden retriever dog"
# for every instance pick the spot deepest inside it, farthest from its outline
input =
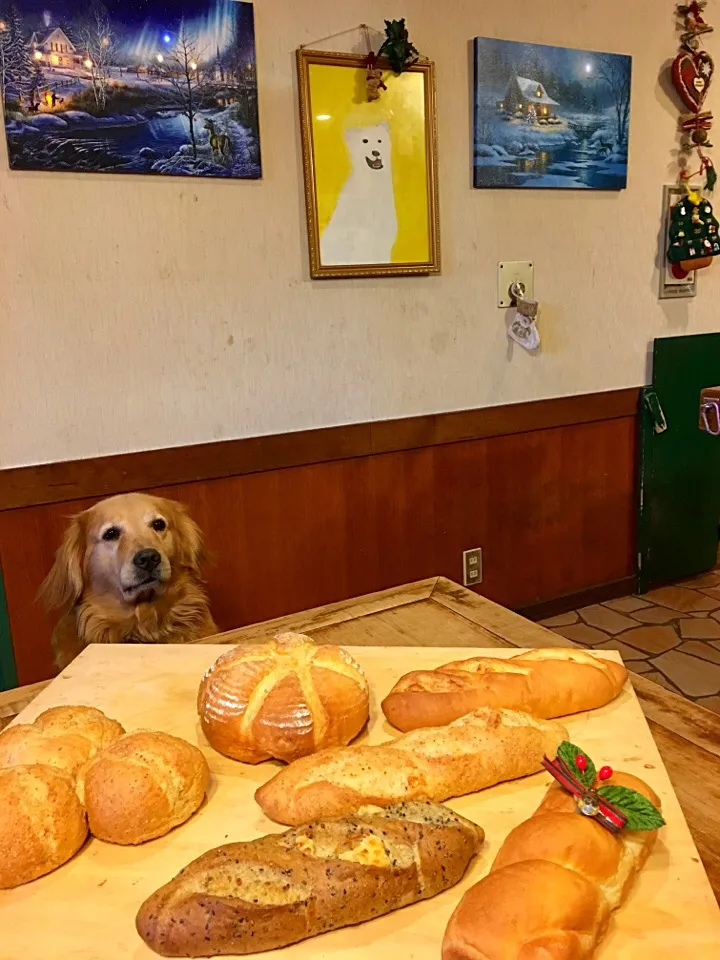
(128, 571)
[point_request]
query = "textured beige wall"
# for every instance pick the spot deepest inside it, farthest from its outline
(140, 312)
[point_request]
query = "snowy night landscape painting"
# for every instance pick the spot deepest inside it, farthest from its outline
(550, 116)
(130, 86)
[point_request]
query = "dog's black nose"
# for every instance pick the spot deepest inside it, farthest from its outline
(376, 153)
(147, 560)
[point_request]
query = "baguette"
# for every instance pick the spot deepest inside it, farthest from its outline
(476, 751)
(248, 897)
(553, 885)
(546, 683)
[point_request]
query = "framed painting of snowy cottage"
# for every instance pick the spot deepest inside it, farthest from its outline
(370, 167)
(131, 86)
(550, 116)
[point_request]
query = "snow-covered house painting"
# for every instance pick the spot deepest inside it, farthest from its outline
(55, 50)
(550, 116)
(165, 87)
(525, 97)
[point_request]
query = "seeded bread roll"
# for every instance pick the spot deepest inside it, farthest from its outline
(64, 737)
(553, 885)
(551, 682)
(142, 786)
(249, 897)
(476, 751)
(42, 822)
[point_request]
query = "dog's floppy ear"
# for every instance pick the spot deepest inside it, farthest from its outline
(189, 544)
(63, 586)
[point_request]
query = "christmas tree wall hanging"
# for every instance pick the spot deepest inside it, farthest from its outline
(693, 235)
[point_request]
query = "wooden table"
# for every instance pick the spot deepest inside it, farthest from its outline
(440, 613)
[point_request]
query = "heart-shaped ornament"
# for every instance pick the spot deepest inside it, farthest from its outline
(691, 74)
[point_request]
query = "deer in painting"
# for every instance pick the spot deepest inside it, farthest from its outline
(220, 143)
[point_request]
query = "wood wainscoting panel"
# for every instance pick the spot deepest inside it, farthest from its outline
(101, 476)
(553, 510)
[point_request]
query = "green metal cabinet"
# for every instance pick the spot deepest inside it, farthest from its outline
(679, 489)
(8, 674)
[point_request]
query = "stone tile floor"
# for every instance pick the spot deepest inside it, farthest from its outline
(670, 635)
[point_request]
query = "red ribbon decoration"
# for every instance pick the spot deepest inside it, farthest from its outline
(588, 801)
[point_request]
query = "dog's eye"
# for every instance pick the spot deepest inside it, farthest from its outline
(112, 533)
(365, 141)
(379, 141)
(159, 524)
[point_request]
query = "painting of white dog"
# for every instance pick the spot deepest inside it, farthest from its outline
(363, 226)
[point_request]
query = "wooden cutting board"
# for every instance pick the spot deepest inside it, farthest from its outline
(86, 909)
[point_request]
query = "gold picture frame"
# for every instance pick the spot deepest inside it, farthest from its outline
(370, 168)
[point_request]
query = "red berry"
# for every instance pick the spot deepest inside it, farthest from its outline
(580, 762)
(605, 773)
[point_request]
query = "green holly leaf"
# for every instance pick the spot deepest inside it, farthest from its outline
(710, 177)
(640, 813)
(568, 752)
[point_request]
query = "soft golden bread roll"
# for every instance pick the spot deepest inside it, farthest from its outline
(248, 897)
(142, 786)
(42, 822)
(283, 699)
(476, 751)
(552, 682)
(553, 885)
(64, 737)
(533, 910)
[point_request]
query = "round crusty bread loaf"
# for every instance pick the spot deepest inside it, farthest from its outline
(142, 786)
(549, 682)
(64, 737)
(285, 699)
(42, 822)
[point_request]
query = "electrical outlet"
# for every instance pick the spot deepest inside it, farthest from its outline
(472, 567)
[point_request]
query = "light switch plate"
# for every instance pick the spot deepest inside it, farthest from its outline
(670, 287)
(515, 271)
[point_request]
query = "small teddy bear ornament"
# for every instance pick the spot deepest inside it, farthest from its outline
(373, 79)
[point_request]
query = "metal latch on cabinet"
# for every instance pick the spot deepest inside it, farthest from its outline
(652, 405)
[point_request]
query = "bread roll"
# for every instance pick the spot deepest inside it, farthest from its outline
(551, 682)
(248, 897)
(64, 737)
(474, 752)
(142, 786)
(42, 822)
(552, 887)
(284, 699)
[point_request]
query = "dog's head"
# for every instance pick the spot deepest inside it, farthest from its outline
(130, 547)
(369, 146)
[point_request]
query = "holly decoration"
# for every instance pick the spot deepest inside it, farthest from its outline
(694, 235)
(397, 47)
(614, 807)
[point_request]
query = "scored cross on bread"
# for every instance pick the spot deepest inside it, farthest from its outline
(549, 682)
(284, 699)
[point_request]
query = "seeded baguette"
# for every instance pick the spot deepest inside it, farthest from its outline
(244, 898)
(483, 748)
